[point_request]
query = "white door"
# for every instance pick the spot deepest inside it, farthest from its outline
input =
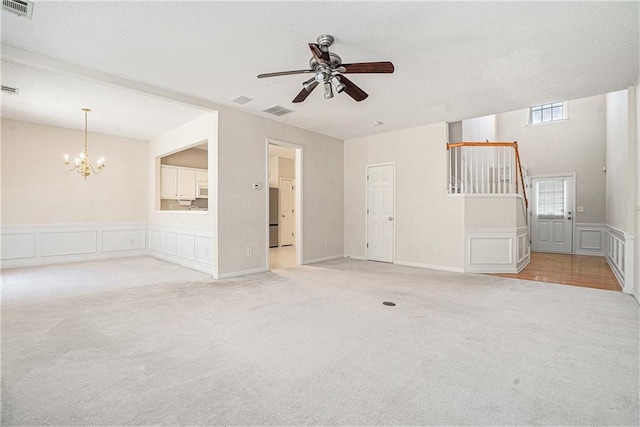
(552, 214)
(286, 205)
(380, 204)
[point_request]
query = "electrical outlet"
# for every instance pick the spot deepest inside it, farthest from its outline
(249, 252)
(580, 208)
(437, 249)
(326, 243)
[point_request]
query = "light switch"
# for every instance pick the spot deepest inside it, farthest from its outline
(580, 208)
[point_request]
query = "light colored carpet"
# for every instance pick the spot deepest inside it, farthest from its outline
(315, 345)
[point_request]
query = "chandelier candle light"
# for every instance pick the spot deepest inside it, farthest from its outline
(82, 165)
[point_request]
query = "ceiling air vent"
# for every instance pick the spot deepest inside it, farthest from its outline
(10, 90)
(278, 110)
(19, 7)
(242, 99)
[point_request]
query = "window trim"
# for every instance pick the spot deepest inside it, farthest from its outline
(565, 113)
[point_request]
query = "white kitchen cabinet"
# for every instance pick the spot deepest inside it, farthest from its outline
(202, 176)
(168, 182)
(177, 183)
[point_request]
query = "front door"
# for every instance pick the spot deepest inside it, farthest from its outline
(552, 214)
(380, 204)
(286, 204)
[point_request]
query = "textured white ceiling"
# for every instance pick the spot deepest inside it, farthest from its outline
(453, 60)
(56, 100)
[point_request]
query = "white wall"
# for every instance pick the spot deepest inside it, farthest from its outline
(425, 216)
(617, 152)
(186, 238)
(576, 145)
(242, 152)
(203, 129)
(479, 129)
(36, 188)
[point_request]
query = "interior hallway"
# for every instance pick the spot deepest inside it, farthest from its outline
(566, 269)
(282, 257)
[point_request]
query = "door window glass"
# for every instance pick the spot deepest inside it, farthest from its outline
(550, 196)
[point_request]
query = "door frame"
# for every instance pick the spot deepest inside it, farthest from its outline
(574, 213)
(298, 183)
(366, 205)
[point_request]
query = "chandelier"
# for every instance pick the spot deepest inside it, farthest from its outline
(81, 163)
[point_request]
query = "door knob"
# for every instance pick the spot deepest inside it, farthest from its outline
(390, 218)
(569, 218)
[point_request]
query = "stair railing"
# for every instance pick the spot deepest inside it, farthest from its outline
(486, 168)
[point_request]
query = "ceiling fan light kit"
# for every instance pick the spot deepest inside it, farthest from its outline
(329, 70)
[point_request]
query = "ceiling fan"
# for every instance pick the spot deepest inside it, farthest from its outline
(329, 69)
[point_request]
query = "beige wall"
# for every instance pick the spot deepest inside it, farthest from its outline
(617, 152)
(36, 188)
(242, 211)
(189, 158)
(483, 212)
(576, 145)
(636, 283)
(425, 216)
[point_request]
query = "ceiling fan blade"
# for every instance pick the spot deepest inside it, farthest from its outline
(353, 90)
(369, 67)
(284, 73)
(304, 93)
(320, 56)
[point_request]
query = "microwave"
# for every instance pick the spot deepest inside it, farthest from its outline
(202, 190)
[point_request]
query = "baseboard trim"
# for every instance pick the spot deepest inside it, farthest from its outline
(357, 257)
(241, 273)
(579, 252)
(635, 296)
(430, 266)
(328, 258)
(194, 265)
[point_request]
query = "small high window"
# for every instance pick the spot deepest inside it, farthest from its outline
(547, 113)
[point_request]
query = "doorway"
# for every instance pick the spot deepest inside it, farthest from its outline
(284, 205)
(380, 212)
(552, 213)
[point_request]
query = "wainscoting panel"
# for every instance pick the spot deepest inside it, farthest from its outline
(590, 239)
(204, 247)
(170, 242)
(27, 245)
(155, 240)
(496, 250)
(490, 250)
(18, 245)
(56, 243)
(615, 249)
(190, 247)
(122, 240)
(186, 246)
(524, 248)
